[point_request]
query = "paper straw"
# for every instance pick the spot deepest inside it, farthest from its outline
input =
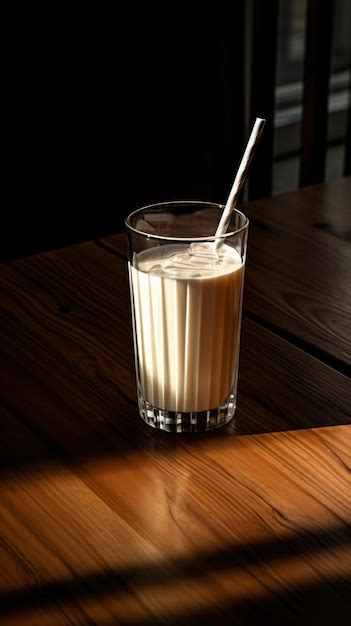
(240, 176)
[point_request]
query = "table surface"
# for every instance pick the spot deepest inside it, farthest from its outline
(104, 520)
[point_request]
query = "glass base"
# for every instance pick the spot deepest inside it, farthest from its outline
(191, 422)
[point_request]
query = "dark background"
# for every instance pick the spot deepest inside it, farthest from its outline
(107, 110)
(108, 114)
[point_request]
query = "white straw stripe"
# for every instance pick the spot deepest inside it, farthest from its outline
(240, 176)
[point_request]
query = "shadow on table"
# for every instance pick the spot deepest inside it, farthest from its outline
(60, 404)
(331, 597)
(29, 439)
(49, 418)
(302, 605)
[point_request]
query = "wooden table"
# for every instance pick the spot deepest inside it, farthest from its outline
(106, 521)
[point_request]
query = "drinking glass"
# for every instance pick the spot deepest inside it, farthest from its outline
(186, 289)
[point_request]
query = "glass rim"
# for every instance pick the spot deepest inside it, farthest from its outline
(186, 202)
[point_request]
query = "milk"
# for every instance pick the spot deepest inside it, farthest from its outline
(186, 302)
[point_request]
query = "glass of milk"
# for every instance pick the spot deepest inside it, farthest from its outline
(186, 289)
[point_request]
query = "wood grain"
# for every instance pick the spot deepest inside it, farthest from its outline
(105, 521)
(299, 269)
(236, 526)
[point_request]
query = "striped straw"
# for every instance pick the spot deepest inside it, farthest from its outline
(240, 176)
